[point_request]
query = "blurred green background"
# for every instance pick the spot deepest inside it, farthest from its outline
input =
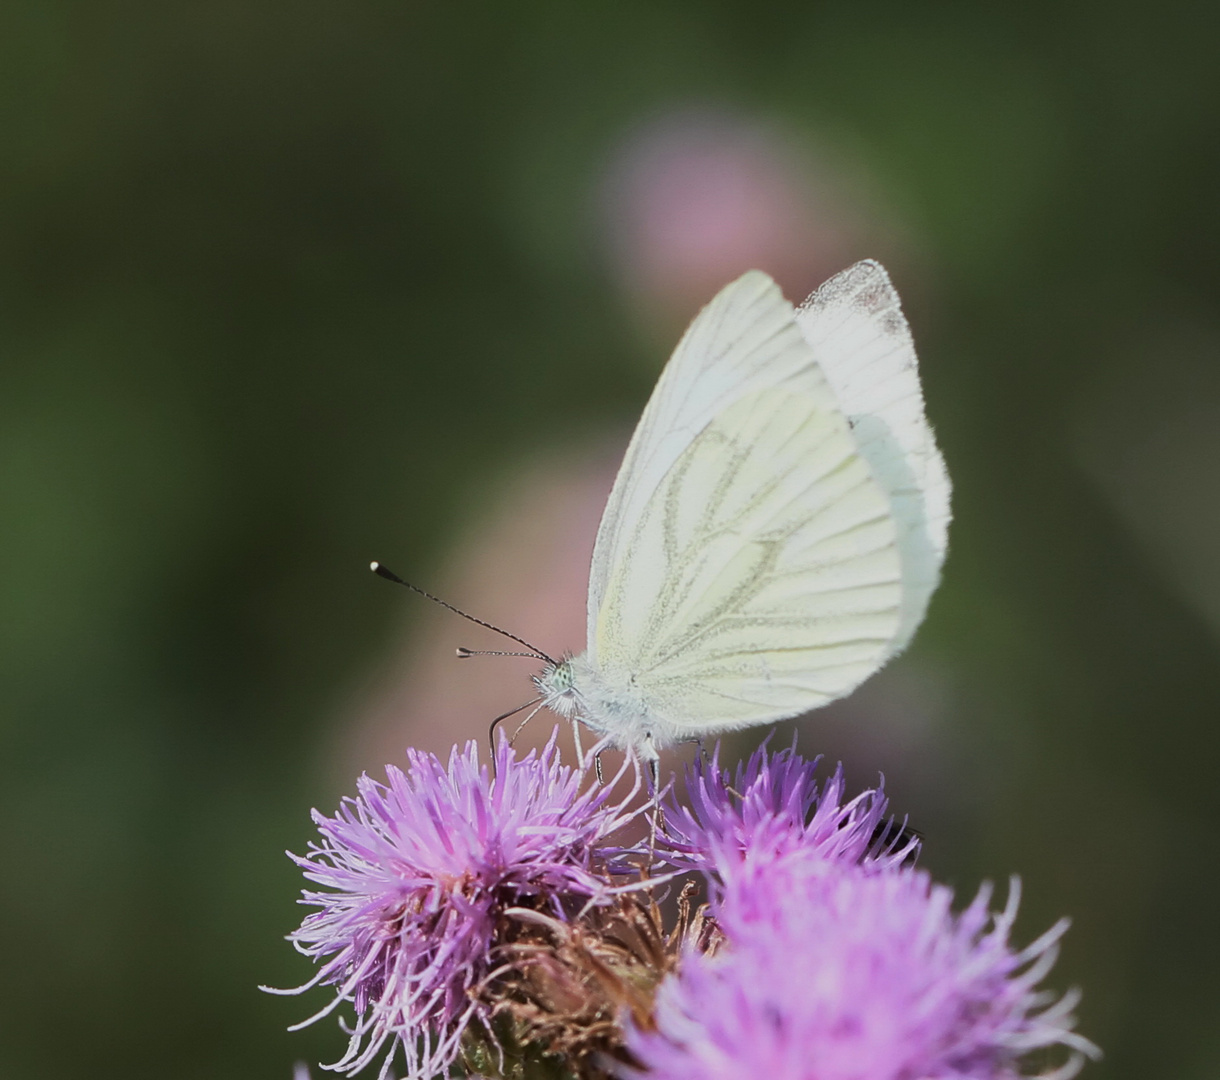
(281, 284)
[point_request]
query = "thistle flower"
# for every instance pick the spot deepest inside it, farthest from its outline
(835, 973)
(774, 805)
(418, 872)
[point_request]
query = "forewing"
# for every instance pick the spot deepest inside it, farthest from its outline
(746, 339)
(862, 343)
(761, 578)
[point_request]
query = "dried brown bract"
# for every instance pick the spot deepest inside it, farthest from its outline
(564, 989)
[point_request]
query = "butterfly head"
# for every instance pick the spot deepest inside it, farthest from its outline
(557, 685)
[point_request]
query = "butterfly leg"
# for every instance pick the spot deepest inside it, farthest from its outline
(656, 819)
(491, 731)
(703, 754)
(580, 752)
(521, 726)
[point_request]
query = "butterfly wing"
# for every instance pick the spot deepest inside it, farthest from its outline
(745, 338)
(855, 325)
(747, 566)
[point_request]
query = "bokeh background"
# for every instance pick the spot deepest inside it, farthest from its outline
(288, 286)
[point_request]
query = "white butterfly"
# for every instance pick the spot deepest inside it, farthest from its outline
(777, 526)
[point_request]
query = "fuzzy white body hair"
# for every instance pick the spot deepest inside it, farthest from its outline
(619, 711)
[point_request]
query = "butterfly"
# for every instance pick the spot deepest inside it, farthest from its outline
(778, 524)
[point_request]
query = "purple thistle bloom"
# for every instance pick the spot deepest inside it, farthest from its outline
(834, 973)
(418, 871)
(774, 805)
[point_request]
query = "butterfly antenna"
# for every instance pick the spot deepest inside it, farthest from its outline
(381, 570)
(464, 653)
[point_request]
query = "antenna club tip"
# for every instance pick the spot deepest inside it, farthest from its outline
(381, 570)
(462, 653)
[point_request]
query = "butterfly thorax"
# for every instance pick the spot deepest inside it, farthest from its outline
(577, 689)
